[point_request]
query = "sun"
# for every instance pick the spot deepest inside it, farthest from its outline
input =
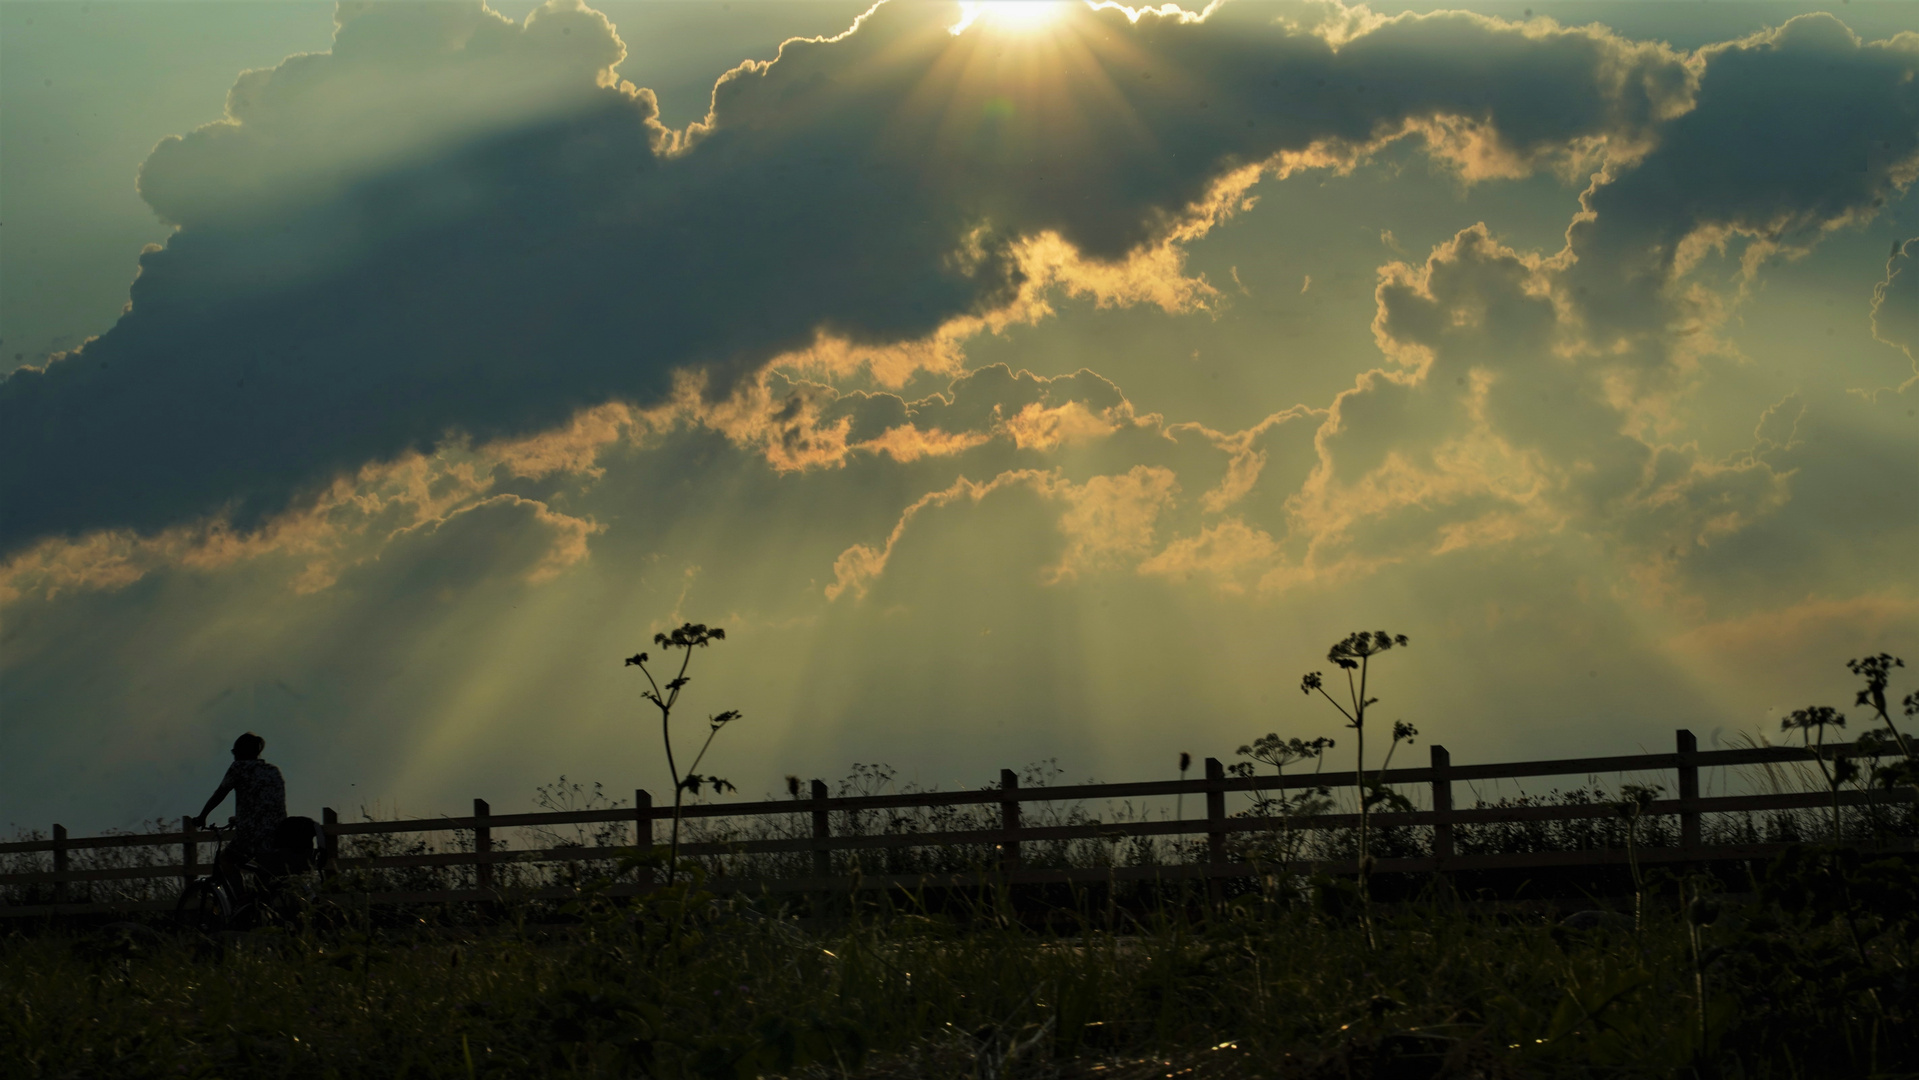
(1016, 15)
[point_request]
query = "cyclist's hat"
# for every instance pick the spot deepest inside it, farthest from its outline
(248, 746)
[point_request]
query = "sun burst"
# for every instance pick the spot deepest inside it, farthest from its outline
(1020, 16)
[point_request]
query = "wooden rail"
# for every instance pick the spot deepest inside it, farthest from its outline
(1005, 864)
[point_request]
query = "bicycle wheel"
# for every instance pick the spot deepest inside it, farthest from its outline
(204, 907)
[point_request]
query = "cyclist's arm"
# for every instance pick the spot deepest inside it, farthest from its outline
(219, 796)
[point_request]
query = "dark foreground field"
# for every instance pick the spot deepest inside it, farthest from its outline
(1811, 977)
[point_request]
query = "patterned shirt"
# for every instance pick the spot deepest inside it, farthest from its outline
(260, 802)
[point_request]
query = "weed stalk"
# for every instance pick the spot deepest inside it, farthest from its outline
(686, 638)
(1354, 654)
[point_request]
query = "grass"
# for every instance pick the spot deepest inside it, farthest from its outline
(1809, 979)
(1807, 973)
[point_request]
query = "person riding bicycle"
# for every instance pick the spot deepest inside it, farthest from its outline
(260, 804)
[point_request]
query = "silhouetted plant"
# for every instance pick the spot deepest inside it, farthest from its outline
(1354, 654)
(1633, 802)
(1817, 718)
(1877, 671)
(688, 637)
(1377, 792)
(1270, 749)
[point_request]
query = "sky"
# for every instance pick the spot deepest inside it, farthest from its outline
(1012, 383)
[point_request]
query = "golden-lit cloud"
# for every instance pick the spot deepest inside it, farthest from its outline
(859, 565)
(1225, 552)
(788, 425)
(906, 443)
(1111, 520)
(351, 523)
(1107, 521)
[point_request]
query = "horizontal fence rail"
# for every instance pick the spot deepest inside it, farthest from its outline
(810, 824)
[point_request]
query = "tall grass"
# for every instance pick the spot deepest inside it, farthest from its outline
(1807, 982)
(1808, 976)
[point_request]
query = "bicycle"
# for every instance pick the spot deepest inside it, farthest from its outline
(207, 903)
(218, 902)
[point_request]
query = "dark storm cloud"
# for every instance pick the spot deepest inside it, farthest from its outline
(1794, 132)
(332, 299)
(454, 224)
(1106, 131)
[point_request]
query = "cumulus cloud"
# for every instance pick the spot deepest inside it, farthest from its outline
(1895, 303)
(307, 131)
(349, 524)
(451, 226)
(1495, 425)
(501, 536)
(992, 420)
(1533, 393)
(1794, 132)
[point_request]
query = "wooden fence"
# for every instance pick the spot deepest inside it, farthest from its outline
(1215, 862)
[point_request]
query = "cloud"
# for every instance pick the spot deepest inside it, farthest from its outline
(1106, 522)
(1794, 132)
(859, 565)
(1895, 304)
(451, 227)
(992, 419)
(1222, 551)
(354, 522)
(1111, 520)
(1536, 393)
(1848, 462)
(308, 131)
(503, 536)
(1497, 424)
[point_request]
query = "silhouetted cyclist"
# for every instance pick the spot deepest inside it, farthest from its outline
(260, 804)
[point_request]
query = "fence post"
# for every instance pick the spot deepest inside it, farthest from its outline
(822, 829)
(823, 899)
(642, 820)
(1009, 821)
(1215, 830)
(329, 819)
(189, 853)
(1688, 790)
(642, 835)
(1442, 802)
(60, 863)
(482, 845)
